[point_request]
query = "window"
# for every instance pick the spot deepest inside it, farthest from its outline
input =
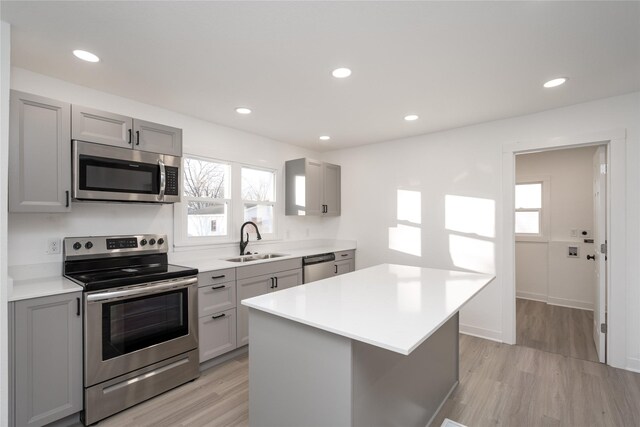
(206, 197)
(218, 196)
(258, 197)
(531, 212)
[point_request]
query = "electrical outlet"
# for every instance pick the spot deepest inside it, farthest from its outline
(53, 246)
(574, 232)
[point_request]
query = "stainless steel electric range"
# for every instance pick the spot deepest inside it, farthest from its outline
(140, 320)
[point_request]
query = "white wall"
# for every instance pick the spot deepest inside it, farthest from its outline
(5, 69)
(28, 233)
(467, 162)
(543, 270)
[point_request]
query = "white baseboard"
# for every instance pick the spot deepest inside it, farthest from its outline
(531, 295)
(487, 334)
(633, 364)
(582, 305)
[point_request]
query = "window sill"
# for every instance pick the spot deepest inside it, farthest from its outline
(533, 239)
(189, 246)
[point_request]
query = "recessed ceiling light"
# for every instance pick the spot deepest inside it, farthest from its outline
(325, 138)
(243, 110)
(341, 73)
(85, 56)
(555, 82)
(411, 117)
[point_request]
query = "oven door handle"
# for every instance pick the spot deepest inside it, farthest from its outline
(147, 290)
(163, 180)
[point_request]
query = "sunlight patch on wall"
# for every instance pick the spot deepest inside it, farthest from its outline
(471, 215)
(407, 237)
(472, 254)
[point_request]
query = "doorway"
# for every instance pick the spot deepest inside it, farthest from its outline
(616, 211)
(556, 233)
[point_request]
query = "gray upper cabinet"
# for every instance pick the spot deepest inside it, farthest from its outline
(97, 126)
(312, 188)
(47, 359)
(157, 138)
(101, 127)
(39, 154)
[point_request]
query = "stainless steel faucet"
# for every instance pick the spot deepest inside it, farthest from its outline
(243, 244)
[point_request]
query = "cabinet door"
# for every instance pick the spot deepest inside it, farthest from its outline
(217, 334)
(39, 154)
(331, 178)
(101, 127)
(48, 359)
(157, 138)
(341, 267)
(313, 187)
(249, 288)
(216, 298)
(288, 279)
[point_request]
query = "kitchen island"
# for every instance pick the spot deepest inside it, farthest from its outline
(378, 346)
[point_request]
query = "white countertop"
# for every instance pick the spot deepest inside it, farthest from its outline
(395, 307)
(42, 287)
(211, 263)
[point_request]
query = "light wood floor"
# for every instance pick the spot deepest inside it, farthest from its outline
(500, 385)
(562, 330)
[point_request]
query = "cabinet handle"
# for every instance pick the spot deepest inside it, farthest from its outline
(344, 255)
(272, 283)
(137, 137)
(336, 268)
(218, 277)
(276, 281)
(66, 194)
(219, 287)
(130, 137)
(77, 306)
(218, 316)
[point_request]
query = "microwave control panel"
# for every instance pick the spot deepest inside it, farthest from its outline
(171, 187)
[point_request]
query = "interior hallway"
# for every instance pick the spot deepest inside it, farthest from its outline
(561, 330)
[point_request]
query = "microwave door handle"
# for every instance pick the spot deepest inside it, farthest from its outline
(163, 180)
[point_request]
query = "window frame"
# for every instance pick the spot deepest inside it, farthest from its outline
(235, 206)
(544, 210)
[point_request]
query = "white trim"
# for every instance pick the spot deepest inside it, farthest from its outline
(615, 141)
(633, 364)
(487, 334)
(571, 303)
(531, 296)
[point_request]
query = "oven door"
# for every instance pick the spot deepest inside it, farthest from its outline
(101, 172)
(132, 327)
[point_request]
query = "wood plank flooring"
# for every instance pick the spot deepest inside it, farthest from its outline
(562, 330)
(500, 385)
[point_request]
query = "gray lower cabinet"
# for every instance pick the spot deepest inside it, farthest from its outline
(216, 312)
(46, 359)
(101, 127)
(272, 281)
(39, 154)
(345, 266)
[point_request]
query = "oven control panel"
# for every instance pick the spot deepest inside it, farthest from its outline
(95, 246)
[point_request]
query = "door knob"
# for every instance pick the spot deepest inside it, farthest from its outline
(591, 257)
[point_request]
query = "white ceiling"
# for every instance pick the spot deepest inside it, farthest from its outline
(452, 63)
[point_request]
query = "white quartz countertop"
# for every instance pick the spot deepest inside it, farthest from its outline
(212, 263)
(394, 307)
(42, 287)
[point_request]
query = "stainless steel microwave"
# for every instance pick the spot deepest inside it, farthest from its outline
(103, 172)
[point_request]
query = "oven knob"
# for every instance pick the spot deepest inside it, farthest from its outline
(152, 241)
(160, 241)
(143, 242)
(77, 245)
(88, 245)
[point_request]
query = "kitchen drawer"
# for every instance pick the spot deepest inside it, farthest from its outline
(217, 334)
(215, 277)
(268, 268)
(345, 255)
(215, 298)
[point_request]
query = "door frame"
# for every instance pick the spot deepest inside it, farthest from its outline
(615, 142)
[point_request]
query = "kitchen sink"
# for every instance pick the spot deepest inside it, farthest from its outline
(255, 257)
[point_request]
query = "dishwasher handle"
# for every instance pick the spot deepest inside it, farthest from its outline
(317, 259)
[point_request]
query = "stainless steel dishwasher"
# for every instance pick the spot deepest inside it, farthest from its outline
(317, 267)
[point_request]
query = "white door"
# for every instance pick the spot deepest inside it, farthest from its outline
(600, 240)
